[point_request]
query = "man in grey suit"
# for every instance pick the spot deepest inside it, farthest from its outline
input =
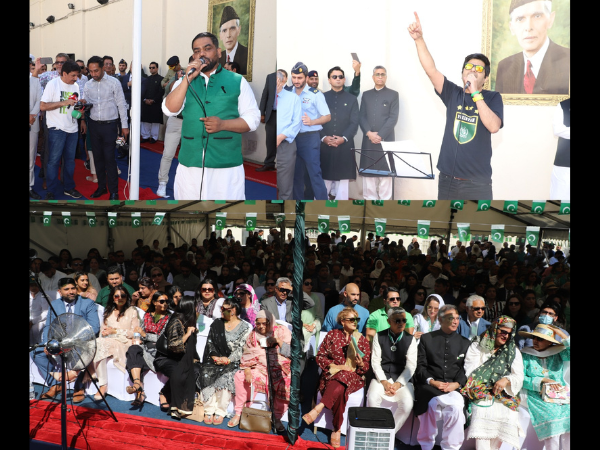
(268, 116)
(69, 301)
(379, 111)
(35, 95)
(280, 305)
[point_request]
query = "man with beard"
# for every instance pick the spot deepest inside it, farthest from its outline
(151, 114)
(114, 277)
(351, 299)
(337, 137)
(210, 159)
(69, 302)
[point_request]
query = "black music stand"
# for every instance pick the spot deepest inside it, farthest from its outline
(408, 162)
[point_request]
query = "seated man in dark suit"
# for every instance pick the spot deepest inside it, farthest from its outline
(472, 322)
(280, 305)
(439, 376)
(543, 67)
(69, 301)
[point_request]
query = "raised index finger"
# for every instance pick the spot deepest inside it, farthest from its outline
(417, 17)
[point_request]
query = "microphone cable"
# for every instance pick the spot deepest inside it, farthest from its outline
(205, 145)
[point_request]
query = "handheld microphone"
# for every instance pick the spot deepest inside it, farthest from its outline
(202, 60)
(467, 84)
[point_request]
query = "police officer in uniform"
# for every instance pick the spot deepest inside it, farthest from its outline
(315, 113)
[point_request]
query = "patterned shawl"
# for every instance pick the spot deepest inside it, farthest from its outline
(481, 382)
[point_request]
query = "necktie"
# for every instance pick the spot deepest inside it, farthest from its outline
(228, 60)
(529, 79)
(70, 308)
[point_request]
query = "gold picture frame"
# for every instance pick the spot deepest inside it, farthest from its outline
(245, 9)
(494, 12)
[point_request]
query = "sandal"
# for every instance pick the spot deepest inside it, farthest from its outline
(133, 389)
(164, 406)
(234, 422)
(140, 398)
(218, 420)
(101, 393)
(208, 419)
(279, 426)
(92, 179)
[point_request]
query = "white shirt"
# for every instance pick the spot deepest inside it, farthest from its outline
(409, 369)
(232, 53)
(247, 107)
(558, 124)
(50, 285)
(58, 91)
(536, 60)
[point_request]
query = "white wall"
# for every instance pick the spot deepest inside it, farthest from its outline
(168, 27)
(523, 151)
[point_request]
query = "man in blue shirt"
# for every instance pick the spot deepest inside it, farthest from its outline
(69, 302)
(315, 113)
(351, 298)
(288, 126)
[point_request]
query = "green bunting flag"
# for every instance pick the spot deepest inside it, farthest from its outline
(158, 218)
(565, 207)
(66, 218)
(532, 235)
(498, 233)
(136, 219)
(279, 217)
(331, 203)
(377, 202)
(251, 221)
(511, 206)
(423, 228)
(358, 202)
(404, 202)
(221, 220)
(464, 231)
(47, 218)
(91, 217)
(380, 227)
(249, 202)
(323, 224)
(538, 206)
(457, 204)
(344, 224)
(483, 205)
(428, 203)
(112, 219)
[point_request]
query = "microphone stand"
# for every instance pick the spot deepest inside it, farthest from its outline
(57, 350)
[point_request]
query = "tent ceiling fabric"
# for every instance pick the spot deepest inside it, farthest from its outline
(400, 219)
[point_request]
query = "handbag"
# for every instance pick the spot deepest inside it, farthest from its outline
(562, 396)
(253, 419)
(161, 344)
(198, 411)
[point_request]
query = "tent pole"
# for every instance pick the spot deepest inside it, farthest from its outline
(136, 99)
(363, 237)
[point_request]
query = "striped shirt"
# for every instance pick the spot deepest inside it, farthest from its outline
(108, 99)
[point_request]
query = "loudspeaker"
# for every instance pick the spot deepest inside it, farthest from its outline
(370, 429)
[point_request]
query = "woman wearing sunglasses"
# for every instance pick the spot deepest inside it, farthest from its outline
(209, 304)
(343, 370)
(140, 356)
(269, 287)
(221, 361)
(249, 304)
(116, 334)
(415, 300)
(158, 278)
(427, 320)
(494, 368)
(514, 309)
(312, 318)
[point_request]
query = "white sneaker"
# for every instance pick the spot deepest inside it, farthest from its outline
(162, 190)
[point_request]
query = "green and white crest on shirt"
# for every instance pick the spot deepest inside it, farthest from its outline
(91, 216)
(511, 206)
(465, 127)
(538, 206)
(498, 233)
(280, 217)
(423, 228)
(532, 235)
(565, 207)
(344, 224)
(66, 219)
(112, 219)
(136, 219)
(221, 220)
(251, 221)
(323, 224)
(483, 205)
(464, 231)
(380, 227)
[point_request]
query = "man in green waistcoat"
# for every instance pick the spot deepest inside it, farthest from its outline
(217, 106)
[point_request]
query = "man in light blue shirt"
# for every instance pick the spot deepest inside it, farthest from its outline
(315, 113)
(288, 125)
(351, 299)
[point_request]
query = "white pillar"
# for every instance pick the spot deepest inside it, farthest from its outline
(136, 93)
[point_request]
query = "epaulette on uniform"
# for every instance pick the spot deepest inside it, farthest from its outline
(314, 90)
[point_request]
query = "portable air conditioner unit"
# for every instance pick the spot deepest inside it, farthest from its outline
(370, 429)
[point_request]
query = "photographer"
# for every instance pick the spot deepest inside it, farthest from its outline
(59, 96)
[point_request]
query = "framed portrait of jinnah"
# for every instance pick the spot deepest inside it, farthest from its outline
(528, 43)
(232, 21)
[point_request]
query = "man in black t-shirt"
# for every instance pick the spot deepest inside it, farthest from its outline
(472, 116)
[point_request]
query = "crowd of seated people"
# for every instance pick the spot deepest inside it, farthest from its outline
(408, 327)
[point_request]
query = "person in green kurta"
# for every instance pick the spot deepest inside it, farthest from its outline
(114, 278)
(544, 363)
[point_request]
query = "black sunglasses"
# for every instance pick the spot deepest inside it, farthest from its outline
(161, 301)
(354, 319)
(514, 303)
(284, 291)
(269, 284)
(308, 283)
(394, 299)
(477, 308)
(504, 332)
(399, 321)
(338, 77)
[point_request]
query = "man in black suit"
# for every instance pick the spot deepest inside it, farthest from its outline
(544, 66)
(439, 375)
(268, 116)
(229, 31)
